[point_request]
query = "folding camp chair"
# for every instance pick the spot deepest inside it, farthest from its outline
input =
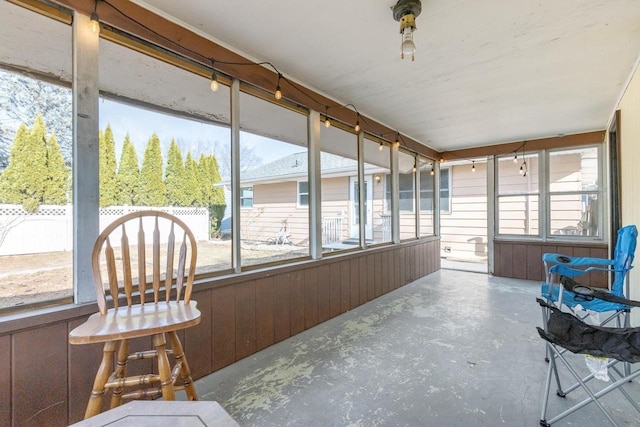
(565, 331)
(557, 265)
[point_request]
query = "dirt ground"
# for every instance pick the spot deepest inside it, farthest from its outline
(35, 278)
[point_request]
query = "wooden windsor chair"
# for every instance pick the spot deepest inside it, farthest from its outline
(125, 314)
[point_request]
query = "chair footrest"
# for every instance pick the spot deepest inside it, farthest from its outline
(132, 381)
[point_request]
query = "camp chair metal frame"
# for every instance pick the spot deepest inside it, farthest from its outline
(554, 345)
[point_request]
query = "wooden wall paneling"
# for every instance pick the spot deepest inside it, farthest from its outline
(599, 278)
(397, 260)
(83, 365)
(371, 277)
(39, 378)
(505, 260)
(198, 342)
(335, 286)
(223, 324)
(390, 267)
(5, 379)
(378, 274)
(385, 263)
(265, 313)
(281, 307)
(310, 297)
(520, 261)
(324, 293)
(534, 259)
(364, 279)
(345, 288)
(245, 319)
(296, 291)
(354, 269)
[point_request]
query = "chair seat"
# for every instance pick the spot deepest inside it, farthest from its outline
(569, 299)
(136, 321)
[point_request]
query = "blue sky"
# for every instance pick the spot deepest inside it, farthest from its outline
(192, 135)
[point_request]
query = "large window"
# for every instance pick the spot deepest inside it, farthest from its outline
(426, 197)
(573, 192)
(377, 163)
(36, 212)
(165, 145)
(518, 195)
(274, 161)
(340, 191)
(407, 166)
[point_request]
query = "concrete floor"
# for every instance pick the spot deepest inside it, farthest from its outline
(451, 349)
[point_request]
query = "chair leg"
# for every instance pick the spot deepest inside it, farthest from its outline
(121, 372)
(106, 366)
(164, 368)
(185, 372)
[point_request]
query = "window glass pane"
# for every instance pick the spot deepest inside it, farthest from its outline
(340, 189)
(165, 145)
(574, 215)
(273, 159)
(407, 198)
(377, 163)
(573, 170)
(36, 214)
(246, 197)
(518, 215)
(426, 197)
(518, 198)
(511, 176)
(445, 189)
(303, 193)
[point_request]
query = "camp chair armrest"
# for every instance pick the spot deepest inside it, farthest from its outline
(572, 286)
(570, 261)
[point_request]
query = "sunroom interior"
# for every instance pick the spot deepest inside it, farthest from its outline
(342, 172)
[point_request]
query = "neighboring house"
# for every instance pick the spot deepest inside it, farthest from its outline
(274, 201)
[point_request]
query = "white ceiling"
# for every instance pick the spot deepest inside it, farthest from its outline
(486, 72)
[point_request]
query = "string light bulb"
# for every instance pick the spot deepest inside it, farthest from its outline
(381, 146)
(356, 128)
(473, 166)
(397, 143)
(515, 158)
(214, 77)
(327, 122)
(432, 171)
(94, 22)
(278, 93)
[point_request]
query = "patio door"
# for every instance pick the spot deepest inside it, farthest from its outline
(354, 217)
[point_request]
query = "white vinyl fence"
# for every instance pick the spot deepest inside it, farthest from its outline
(50, 229)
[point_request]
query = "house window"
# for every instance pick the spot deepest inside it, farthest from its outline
(574, 192)
(303, 193)
(246, 197)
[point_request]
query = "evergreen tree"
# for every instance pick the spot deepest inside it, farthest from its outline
(174, 177)
(128, 174)
(58, 182)
(24, 180)
(212, 195)
(192, 186)
(24, 98)
(107, 168)
(152, 190)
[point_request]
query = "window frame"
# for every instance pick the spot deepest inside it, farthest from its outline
(243, 198)
(544, 195)
(300, 194)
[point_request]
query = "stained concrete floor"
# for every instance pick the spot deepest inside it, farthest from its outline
(450, 349)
